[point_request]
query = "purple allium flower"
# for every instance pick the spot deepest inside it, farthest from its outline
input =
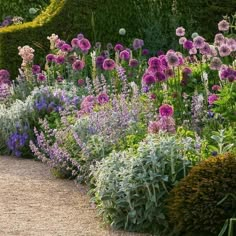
(182, 40)
(154, 62)
(172, 59)
(4, 77)
(109, 64)
(137, 43)
(205, 50)
(219, 38)
(80, 82)
(224, 50)
(60, 43)
(188, 44)
(169, 72)
(160, 53)
(145, 52)
(118, 47)
(160, 76)
(186, 73)
(212, 98)
(84, 44)
(50, 58)
(98, 45)
(60, 59)
(148, 79)
(99, 61)
(75, 42)
(41, 77)
(193, 51)
(109, 46)
(232, 44)
(180, 31)
(125, 55)
(166, 110)
(223, 25)
(133, 63)
(199, 42)
(78, 65)
(216, 87)
(71, 59)
(80, 36)
(36, 69)
(105, 53)
(216, 63)
(181, 60)
(66, 47)
(153, 96)
(102, 98)
(214, 52)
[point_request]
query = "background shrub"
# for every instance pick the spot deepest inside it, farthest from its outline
(193, 204)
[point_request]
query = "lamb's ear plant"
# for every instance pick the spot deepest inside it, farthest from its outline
(131, 186)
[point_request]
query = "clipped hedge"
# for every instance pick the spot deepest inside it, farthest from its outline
(20, 7)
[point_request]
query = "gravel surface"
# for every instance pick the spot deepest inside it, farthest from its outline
(33, 202)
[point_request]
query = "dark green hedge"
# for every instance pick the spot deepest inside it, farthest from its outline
(20, 7)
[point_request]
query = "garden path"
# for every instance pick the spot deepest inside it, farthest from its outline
(34, 203)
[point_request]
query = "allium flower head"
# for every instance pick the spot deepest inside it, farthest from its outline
(205, 50)
(41, 77)
(4, 77)
(125, 55)
(50, 58)
(160, 76)
(224, 50)
(137, 43)
(118, 47)
(186, 73)
(188, 44)
(133, 63)
(78, 65)
(75, 42)
(166, 110)
(145, 52)
(66, 47)
(212, 98)
(102, 98)
(199, 42)
(172, 59)
(80, 36)
(60, 59)
(84, 44)
(232, 44)
(148, 79)
(36, 69)
(182, 40)
(216, 87)
(215, 63)
(109, 64)
(193, 51)
(219, 38)
(122, 31)
(194, 35)
(180, 31)
(99, 61)
(223, 25)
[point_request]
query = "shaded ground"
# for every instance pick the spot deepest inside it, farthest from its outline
(33, 202)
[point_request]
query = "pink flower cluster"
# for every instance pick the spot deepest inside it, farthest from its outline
(165, 122)
(27, 54)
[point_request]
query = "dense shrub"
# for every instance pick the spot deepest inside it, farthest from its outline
(20, 7)
(131, 187)
(206, 197)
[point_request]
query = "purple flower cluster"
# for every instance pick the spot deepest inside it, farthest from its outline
(227, 73)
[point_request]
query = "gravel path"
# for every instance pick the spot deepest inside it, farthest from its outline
(33, 202)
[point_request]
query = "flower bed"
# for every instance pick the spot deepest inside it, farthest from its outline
(128, 124)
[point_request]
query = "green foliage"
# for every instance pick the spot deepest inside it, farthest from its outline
(131, 187)
(193, 15)
(199, 201)
(20, 8)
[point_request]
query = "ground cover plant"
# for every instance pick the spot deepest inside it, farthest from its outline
(129, 124)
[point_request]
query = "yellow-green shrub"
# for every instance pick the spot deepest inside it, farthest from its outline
(193, 205)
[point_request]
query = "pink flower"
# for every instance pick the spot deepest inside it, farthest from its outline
(148, 79)
(180, 31)
(224, 50)
(223, 25)
(166, 110)
(216, 63)
(182, 40)
(216, 87)
(118, 47)
(102, 98)
(199, 42)
(109, 64)
(212, 98)
(78, 65)
(172, 58)
(125, 55)
(84, 44)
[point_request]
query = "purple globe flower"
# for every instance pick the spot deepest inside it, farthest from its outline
(160, 76)
(180, 31)
(75, 42)
(188, 44)
(206, 50)
(109, 64)
(66, 47)
(102, 98)
(186, 73)
(199, 42)
(148, 79)
(60, 43)
(169, 72)
(172, 58)
(78, 65)
(182, 40)
(50, 58)
(145, 52)
(41, 77)
(36, 69)
(137, 43)
(166, 110)
(219, 38)
(215, 63)
(224, 50)
(154, 62)
(4, 77)
(99, 61)
(60, 59)
(133, 63)
(84, 44)
(118, 47)
(125, 55)
(216, 87)
(80, 36)
(223, 25)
